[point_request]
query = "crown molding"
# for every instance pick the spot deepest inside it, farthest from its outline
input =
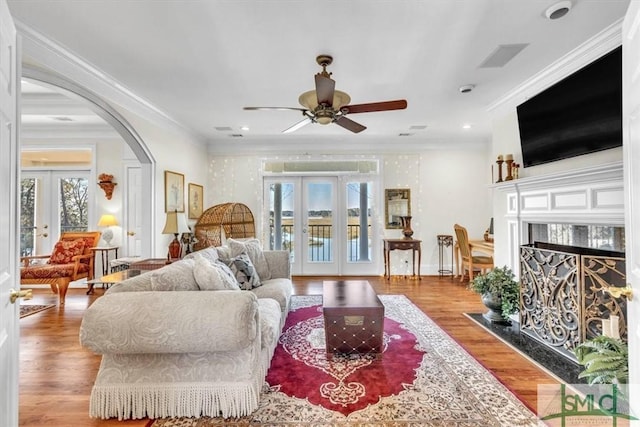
(49, 55)
(605, 41)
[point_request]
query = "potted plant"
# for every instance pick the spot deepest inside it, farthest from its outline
(605, 360)
(500, 293)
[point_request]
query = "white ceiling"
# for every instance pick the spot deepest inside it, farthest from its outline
(201, 61)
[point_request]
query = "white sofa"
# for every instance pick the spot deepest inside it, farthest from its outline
(180, 352)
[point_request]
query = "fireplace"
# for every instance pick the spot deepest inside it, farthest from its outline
(563, 297)
(564, 294)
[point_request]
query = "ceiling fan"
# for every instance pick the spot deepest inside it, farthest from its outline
(326, 105)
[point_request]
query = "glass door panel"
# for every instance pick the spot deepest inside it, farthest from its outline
(319, 229)
(51, 202)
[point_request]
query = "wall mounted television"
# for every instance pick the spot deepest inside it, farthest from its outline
(580, 114)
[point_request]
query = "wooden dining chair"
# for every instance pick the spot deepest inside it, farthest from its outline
(470, 261)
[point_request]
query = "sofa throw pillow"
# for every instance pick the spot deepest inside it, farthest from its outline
(245, 272)
(65, 250)
(253, 248)
(214, 276)
(210, 254)
(177, 276)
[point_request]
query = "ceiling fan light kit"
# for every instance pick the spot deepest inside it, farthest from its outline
(325, 105)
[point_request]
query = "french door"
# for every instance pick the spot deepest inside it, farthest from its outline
(51, 202)
(323, 221)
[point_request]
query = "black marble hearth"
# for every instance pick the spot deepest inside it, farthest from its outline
(560, 366)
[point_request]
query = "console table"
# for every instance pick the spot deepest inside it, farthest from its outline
(413, 245)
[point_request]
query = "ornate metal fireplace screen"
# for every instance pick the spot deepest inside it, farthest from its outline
(562, 297)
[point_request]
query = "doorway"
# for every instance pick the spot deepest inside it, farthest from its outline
(325, 222)
(51, 202)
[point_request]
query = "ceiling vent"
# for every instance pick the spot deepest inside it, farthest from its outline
(502, 55)
(418, 127)
(236, 135)
(62, 119)
(223, 129)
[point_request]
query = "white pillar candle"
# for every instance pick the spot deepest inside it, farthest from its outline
(606, 327)
(613, 326)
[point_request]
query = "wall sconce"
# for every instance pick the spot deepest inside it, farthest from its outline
(107, 184)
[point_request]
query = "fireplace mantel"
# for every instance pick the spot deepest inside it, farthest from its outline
(593, 195)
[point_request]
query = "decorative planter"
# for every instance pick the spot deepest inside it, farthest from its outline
(494, 304)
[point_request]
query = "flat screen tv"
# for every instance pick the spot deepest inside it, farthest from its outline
(580, 114)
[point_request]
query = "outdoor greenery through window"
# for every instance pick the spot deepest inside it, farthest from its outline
(605, 237)
(72, 209)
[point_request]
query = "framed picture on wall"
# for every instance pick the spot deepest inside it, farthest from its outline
(173, 191)
(195, 200)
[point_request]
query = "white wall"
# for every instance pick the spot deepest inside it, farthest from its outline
(447, 186)
(175, 151)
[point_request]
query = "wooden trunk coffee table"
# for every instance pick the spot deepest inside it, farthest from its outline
(353, 317)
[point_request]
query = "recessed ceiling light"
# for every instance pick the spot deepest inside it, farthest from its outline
(244, 127)
(558, 10)
(466, 126)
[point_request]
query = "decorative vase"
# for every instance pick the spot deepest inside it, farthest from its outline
(494, 304)
(406, 226)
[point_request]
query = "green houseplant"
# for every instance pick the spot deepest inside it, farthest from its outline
(605, 360)
(500, 293)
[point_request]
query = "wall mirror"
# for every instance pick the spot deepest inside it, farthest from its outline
(397, 203)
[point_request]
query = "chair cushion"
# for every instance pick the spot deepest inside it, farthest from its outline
(51, 271)
(482, 260)
(65, 250)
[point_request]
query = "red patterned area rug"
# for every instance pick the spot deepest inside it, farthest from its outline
(29, 309)
(422, 378)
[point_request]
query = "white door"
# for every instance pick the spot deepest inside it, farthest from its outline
(321, 240)
(133, 209)
(9, 152)
(631, 129)
(325, 222)
(52, 202)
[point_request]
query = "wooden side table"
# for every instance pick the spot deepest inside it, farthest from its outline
(413, 245)
(104, 253)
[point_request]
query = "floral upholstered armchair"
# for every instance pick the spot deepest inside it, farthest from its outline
(72, 259)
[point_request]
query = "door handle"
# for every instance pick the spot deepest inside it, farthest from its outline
(131, 233)
(24, 294)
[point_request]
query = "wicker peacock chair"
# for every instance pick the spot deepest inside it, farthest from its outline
(225, 220)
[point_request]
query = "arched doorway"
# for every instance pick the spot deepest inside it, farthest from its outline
(140, 168)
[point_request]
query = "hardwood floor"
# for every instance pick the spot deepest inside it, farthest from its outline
(57, 374)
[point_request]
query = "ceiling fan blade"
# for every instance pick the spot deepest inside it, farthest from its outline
(324, 90)
(298, 125)
(350, 125)
(275, 108)
(399, 104)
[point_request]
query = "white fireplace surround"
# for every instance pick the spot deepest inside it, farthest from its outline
(587, 196)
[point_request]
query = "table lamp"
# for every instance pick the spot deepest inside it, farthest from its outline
(107, 220)
(176, 223)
